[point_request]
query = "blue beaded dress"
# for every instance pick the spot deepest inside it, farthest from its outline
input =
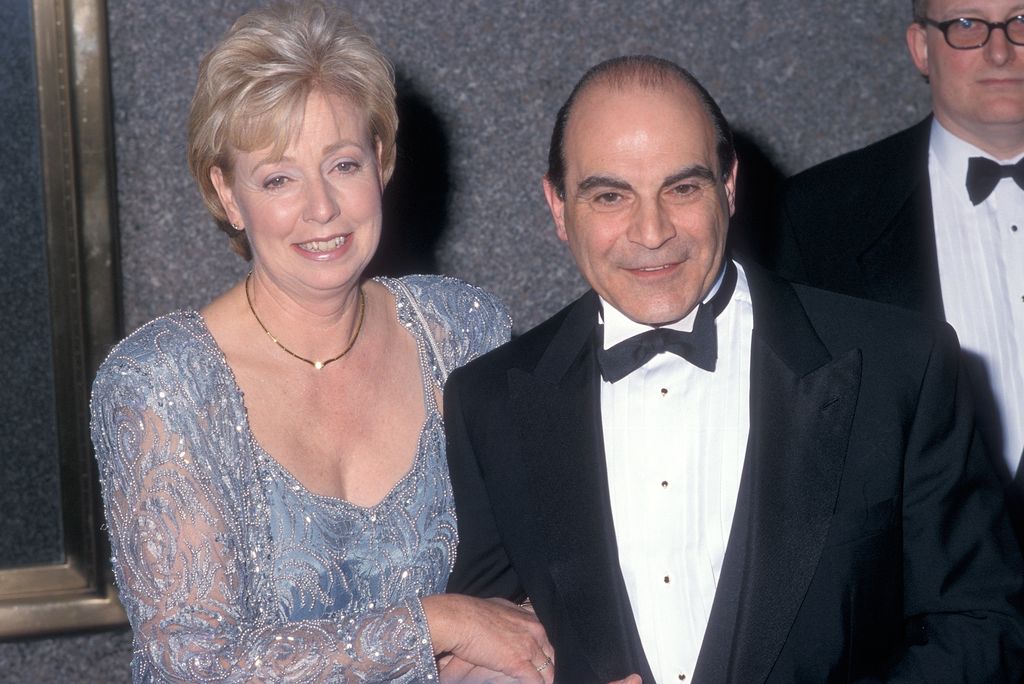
(229, 569)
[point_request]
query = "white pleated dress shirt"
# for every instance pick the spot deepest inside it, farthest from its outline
(675, 439)
(981, 272)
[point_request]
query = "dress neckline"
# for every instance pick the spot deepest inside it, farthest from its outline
(431, 410)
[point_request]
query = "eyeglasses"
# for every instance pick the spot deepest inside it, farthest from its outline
(968, 33)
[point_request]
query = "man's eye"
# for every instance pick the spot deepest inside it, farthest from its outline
(608, 198)
(965, 23)
(684, 189)
(275, 182)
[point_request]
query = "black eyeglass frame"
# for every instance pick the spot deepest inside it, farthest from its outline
(990, 25)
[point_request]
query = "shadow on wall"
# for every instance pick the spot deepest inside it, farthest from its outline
(416, 199)
(753, 228)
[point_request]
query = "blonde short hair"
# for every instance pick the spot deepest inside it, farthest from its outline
(253, 86)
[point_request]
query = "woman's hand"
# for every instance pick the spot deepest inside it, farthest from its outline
(457, 671)
(492, 634)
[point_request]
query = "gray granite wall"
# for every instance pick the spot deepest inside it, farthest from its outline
(480, 82)
(801, 81)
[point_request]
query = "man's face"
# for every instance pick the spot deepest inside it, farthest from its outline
(977, 94)
(645, 212)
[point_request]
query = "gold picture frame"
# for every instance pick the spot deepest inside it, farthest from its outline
(76, 149)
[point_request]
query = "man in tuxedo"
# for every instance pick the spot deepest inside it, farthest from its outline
(932, 218)
(698, 470)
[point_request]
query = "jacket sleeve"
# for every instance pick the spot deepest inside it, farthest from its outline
(962, 569)
(482, 566)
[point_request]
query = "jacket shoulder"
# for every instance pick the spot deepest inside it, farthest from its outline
(842, 321)
(898, 153)
(523, 352)
(830, 213)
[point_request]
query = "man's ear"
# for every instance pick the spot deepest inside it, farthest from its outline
(556, 203)
(227, 197)
(730, 186)
(917, 43)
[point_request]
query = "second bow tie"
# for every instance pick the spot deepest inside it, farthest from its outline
(983, 175)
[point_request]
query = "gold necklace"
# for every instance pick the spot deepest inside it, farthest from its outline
(315, 364)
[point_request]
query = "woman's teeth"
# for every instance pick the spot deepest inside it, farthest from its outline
(323, 245)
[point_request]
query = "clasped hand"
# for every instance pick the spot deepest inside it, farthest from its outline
(491, 641)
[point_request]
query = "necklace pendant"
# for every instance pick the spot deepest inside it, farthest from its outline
(317, 365)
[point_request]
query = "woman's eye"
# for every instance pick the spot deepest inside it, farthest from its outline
(347, 166)
(275, 182)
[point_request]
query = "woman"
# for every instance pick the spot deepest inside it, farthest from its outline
(273, 466)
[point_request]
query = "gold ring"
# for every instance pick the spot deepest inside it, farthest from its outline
(543, 666)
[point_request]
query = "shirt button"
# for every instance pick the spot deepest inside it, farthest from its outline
(682, 677)
(664, 484)
(667, 579)
(664, 391)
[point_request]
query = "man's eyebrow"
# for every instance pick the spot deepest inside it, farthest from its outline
(973, 11)
(591, 182)
(698, 171)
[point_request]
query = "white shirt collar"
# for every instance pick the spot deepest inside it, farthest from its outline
(619, 327)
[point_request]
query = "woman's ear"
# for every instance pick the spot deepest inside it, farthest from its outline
(227, 198)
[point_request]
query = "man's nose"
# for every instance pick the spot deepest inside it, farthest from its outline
(652, 227)
(999, 50)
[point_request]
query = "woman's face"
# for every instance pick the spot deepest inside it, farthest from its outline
(313, 217)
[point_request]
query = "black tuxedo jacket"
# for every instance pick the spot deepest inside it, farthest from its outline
(867, 540)
(861, 224)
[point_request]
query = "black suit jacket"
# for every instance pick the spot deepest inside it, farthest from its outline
(866, 540)
(862, 224)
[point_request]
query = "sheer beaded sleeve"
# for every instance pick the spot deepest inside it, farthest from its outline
(463, 321)
(178, 486)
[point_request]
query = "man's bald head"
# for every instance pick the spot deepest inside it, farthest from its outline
(644, 71)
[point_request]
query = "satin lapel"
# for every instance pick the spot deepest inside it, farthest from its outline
(717, 650)
(802, 407)
(899, 263)
(557, 408)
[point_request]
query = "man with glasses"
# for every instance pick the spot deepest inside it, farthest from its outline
(932, 218)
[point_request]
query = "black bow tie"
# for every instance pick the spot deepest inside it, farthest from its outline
(983, 175)
(699, 347)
